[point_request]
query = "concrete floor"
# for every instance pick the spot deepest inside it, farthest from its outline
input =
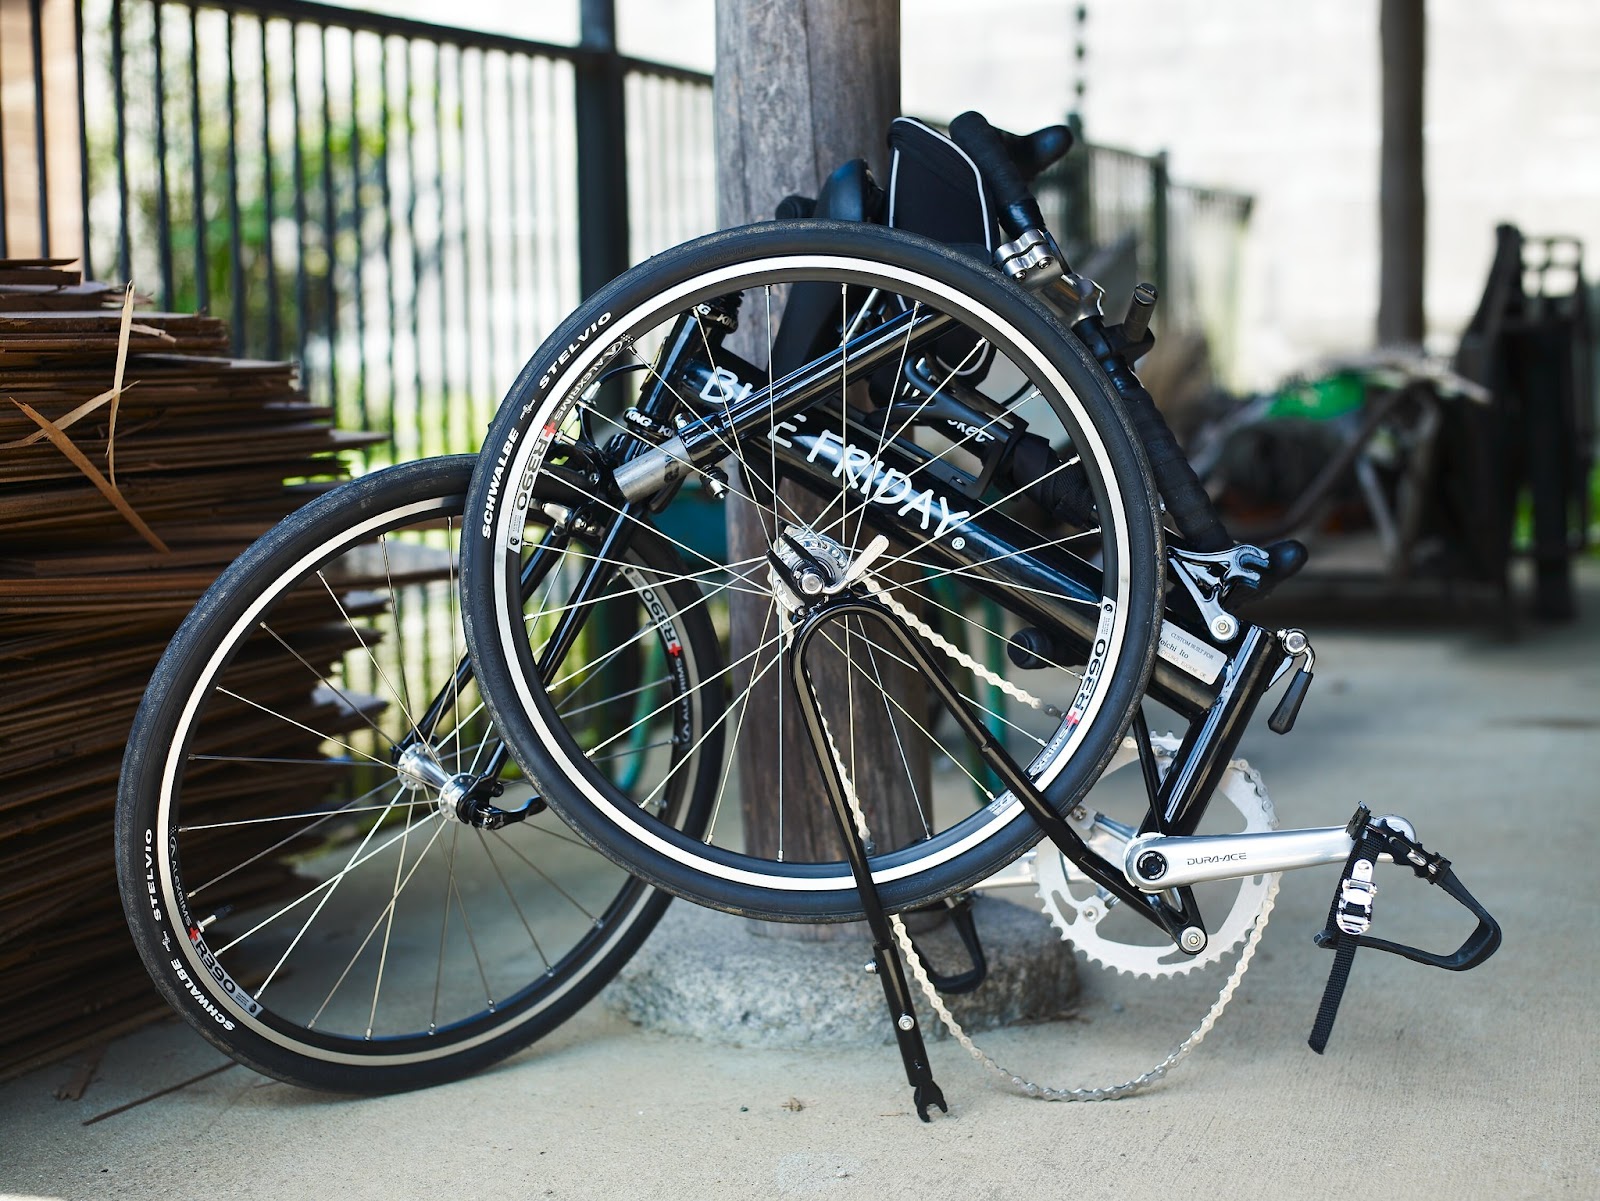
(1435, 1085)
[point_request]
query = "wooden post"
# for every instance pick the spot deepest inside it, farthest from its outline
(802, 86)
(1402, 207)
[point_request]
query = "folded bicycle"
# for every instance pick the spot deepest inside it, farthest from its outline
(868, 513)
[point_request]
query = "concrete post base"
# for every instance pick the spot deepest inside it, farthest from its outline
(716, 977)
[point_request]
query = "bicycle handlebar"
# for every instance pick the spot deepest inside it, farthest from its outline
(983, 144)
(1188, 504)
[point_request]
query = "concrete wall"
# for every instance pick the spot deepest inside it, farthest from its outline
(1281, 100)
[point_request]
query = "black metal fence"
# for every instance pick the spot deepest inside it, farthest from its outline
(408, 208)
(405, 208)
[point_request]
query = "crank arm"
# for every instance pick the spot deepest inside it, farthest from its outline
(1155, 863)
(1105, 837)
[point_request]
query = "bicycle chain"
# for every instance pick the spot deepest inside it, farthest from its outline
(914, 961)
(956, 653)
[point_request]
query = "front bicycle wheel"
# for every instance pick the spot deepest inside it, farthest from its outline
(771, 400)
(323, 863)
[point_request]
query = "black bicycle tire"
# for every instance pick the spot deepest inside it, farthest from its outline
(542, 378)
(178, 969)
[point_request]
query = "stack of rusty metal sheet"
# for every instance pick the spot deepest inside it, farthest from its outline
(124, 491)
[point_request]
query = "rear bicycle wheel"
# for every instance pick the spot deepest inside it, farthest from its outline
(297, 855)
(953, 441)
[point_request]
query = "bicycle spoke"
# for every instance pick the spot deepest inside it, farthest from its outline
(322, 889)
(404, 708)
(388, 931)
(745, 696)
(899, 743)
(511, 896)
(294, 817)
(327, 888)
(404, 697)
(321, 677)
(282, 842)
(906, 713)
(878, 648)
(884, 565)
(301, 725)
(472, 939)
(744, 712)
(729, 669)
(455, 654)
(576, 904)
(565, 711)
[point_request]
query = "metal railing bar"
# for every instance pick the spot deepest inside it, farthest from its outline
(543, 184)
(302, 286)
(386, 192)
(690, 200)
(412, 245)
(565, 212)
(659, 117)
(163, 194)
(643, 221)
(438, 256)
(235, 233)
(269, 208)
(359, 263)
(330, 317)
(653, 70)
(489, 240)
(519, 133)
(124, 236)
(464, 244)
(387, 24)
(202, 265)
(83, 149)
(36, 33)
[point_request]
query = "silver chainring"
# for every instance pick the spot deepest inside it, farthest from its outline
(1078, 907)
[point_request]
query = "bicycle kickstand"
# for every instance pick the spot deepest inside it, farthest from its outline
(886, 962)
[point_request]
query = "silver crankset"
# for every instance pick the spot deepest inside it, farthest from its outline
(1080, 909)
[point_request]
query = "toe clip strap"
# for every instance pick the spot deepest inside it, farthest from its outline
(1350, 915)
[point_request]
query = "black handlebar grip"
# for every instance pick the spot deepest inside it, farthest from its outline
(1188, 504)
(1033, 152)
(1018, 210)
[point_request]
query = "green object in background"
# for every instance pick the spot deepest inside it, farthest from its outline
(1322, 399)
